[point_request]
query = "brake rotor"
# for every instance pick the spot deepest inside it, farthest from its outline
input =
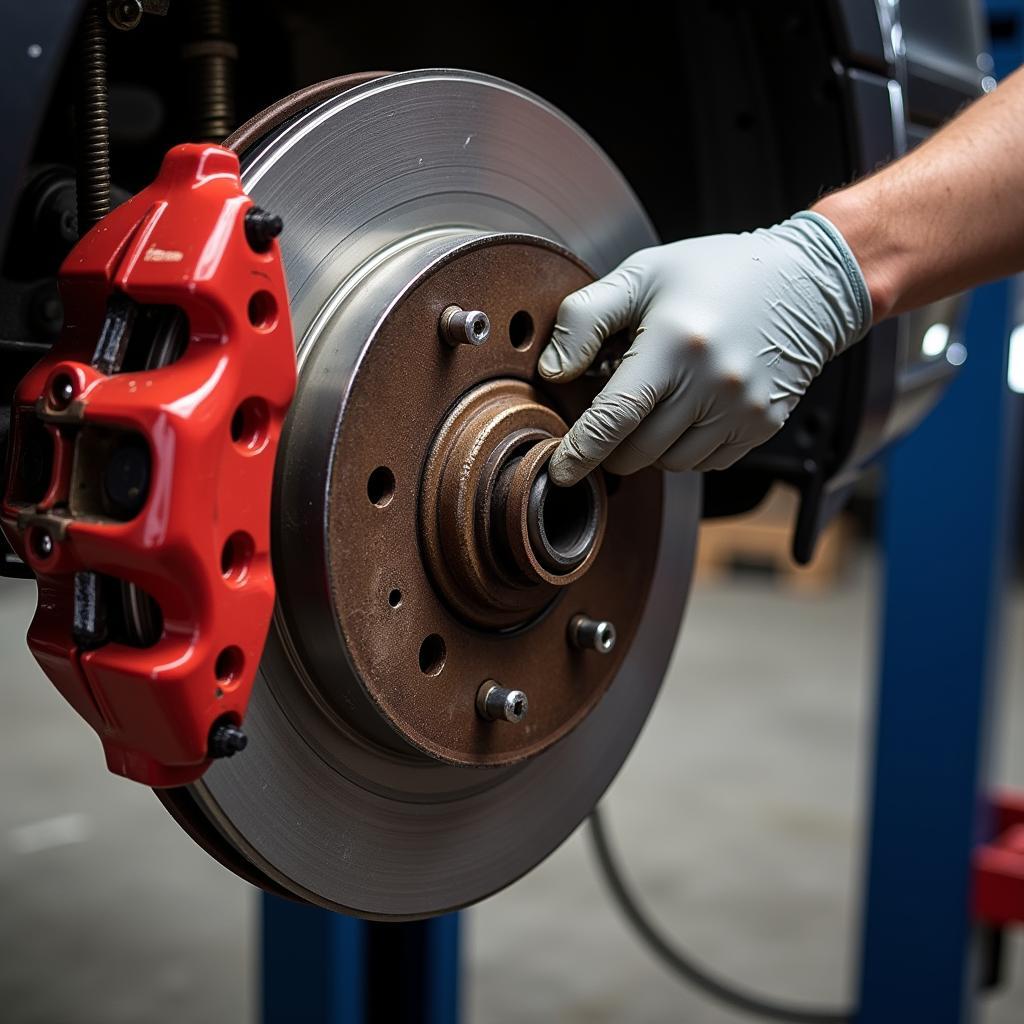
(420, 554)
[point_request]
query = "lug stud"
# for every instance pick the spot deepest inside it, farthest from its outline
(592, 634)
(464, 327)
(496, 703)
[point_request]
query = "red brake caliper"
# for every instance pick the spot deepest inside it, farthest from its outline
(142, 457)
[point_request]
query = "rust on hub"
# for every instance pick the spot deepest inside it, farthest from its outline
(451, 559)
(497, 540)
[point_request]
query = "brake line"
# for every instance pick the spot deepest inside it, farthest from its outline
(682, 963)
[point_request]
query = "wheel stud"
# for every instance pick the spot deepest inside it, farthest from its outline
(464, 327)
(592, 634)
(495, 703)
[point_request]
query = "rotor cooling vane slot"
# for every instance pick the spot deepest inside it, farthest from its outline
(462, 654)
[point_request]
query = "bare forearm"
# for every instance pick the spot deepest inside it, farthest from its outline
(949, 215)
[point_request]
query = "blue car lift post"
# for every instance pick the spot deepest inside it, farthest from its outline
(945, 536)
(325, 968)
(946, 529)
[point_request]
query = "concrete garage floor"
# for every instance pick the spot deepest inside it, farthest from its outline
(738, 814)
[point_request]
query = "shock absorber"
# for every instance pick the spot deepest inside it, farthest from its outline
(92, 119)
(210, 56)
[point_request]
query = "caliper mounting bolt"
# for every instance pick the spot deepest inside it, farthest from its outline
(261, 228)
(62, 391)
(495, 702)
(592, 634)
(43, 544)
(464, 326)
(226, 739)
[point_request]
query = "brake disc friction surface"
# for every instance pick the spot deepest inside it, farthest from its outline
(381, 176)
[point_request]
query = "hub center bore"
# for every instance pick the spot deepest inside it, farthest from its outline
(501, 540)
(565, 524)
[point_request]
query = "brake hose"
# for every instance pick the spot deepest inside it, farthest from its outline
(682, 963)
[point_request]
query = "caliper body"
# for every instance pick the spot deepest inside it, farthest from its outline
(141, 467)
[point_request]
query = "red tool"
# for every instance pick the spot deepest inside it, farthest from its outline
(142, 457)
(999, 866)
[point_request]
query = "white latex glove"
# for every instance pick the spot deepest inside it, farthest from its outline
(730, 330)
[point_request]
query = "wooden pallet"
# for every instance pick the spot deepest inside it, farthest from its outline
(764, 538)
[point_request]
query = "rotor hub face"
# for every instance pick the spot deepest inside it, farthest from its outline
(450, 559)
(351, 794)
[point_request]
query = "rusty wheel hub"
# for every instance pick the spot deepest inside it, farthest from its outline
(451, 559)
(462, 654)
(499, 539)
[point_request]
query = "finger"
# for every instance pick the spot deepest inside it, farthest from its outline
(723, 457)
(695, 445)
(632, 392)
(674, 415)
(658, 432)
(585, 319)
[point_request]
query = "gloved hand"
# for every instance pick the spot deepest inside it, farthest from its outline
(729, 332)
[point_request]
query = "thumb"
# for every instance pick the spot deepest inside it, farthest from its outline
(585, 319)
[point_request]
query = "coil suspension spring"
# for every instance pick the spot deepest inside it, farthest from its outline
(211, 55)
(92, 119)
